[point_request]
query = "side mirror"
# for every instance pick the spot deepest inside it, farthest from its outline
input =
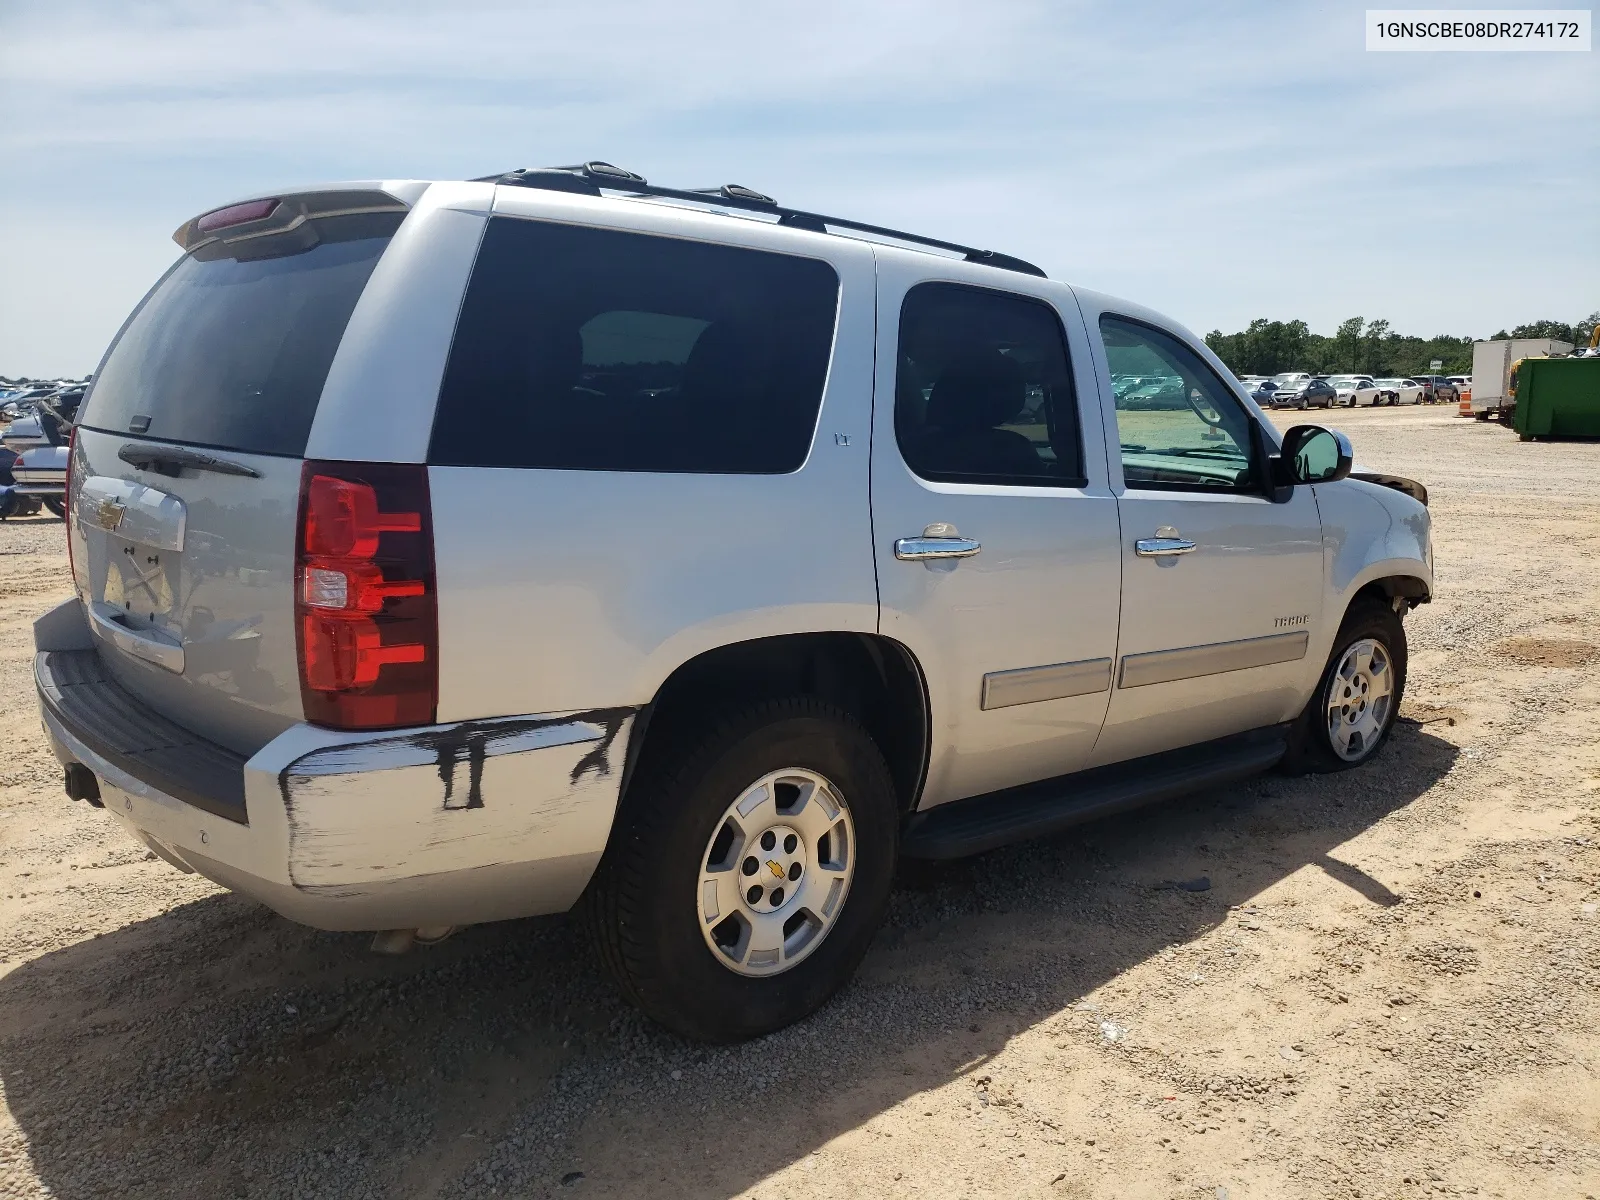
(1312, 454)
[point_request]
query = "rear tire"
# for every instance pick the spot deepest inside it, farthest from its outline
(647, 904)
(1349, 716)
(59, 507)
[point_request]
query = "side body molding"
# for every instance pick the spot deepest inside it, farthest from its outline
(1030, 685)
(1192, 662)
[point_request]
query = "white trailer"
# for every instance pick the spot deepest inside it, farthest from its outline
(1491, 369)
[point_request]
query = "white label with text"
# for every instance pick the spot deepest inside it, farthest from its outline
(1555, 29)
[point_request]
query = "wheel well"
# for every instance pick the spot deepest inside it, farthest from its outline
(875, 679)
(1407, 588)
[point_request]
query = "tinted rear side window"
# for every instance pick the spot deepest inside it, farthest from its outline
(592, 349)
(232, 348)
(983, 389)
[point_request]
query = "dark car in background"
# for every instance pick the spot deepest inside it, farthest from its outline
(44, 419)
(1309, 393)
(1263, 392)
(1436, 389)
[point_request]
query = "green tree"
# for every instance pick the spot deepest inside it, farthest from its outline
(1374, 347)
(1559, 330)
(1267, 347)
(1347, 345)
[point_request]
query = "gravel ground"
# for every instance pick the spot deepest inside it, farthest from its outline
(1390, 989)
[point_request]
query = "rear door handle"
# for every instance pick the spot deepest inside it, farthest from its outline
(920, 549)
(1158, 547)
(939, 540)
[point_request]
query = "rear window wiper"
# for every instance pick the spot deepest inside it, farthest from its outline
(170, 460)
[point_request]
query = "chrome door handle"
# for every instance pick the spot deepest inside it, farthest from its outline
(921, 549)
(939, 540)
(1158, 547)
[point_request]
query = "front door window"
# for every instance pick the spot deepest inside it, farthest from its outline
(1180, 426)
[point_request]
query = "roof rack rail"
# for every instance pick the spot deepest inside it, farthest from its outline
(591, 178)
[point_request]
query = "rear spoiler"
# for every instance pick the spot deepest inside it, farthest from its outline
(280, 214)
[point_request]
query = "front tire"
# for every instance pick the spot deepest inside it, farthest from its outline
(1358, 696)
(674, 908)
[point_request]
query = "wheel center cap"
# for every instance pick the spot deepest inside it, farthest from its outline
(1356, 697)
(773, 869)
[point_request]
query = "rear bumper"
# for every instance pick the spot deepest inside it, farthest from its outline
(442, 825)
(33, 483)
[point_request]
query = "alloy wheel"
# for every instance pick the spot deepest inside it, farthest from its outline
(1358, 700)
(776, 872)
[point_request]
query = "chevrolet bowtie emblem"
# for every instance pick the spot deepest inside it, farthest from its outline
(777, 871)
(108, 513)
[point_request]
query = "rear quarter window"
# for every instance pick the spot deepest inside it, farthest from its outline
(599, 350)
(232, 347)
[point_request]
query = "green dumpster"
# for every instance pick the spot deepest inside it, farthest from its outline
(1558, 397)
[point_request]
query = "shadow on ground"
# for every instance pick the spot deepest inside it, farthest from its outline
(218, 1050)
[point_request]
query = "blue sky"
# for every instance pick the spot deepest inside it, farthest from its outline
(1218, 161)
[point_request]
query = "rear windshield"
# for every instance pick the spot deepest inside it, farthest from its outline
(232, 347)
(597, 350)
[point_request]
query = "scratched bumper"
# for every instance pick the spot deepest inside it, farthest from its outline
(444, 825)
(452, 824)
(449, 825)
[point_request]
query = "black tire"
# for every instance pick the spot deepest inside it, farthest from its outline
(1311, 746)
(57, 506)
(641, 906)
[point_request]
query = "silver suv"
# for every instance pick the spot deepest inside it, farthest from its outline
(459, 551)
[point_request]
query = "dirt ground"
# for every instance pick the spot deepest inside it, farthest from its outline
(1391, 987)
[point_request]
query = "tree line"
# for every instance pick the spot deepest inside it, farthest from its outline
(1360, 346)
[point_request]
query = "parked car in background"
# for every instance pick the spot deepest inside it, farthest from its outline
(1355, 391)
(24, 433)
(1153, 392)
(1400, 391)
(42, 474)
(1437, 389)
(57, 412)
(12, 504)
(20, 403)
(45, 420)
(1290, 379)
(1263, 392)
(1310, 393)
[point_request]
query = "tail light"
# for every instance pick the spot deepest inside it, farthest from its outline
(366, 610)
(66, 504)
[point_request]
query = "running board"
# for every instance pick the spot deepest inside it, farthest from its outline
(985, 822)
